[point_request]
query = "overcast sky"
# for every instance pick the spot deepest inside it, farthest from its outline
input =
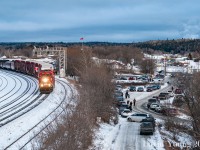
(102, 20)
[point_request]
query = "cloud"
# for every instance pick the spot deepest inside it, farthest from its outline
(191, 29)
(103, 20)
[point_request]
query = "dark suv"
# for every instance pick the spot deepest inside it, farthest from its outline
(150, 119)
(146, 127)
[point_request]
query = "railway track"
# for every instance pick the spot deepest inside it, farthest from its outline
(8, 112)
(21, 104)
(46, 118)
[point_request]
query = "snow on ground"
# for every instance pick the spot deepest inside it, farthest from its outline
(183, 116)
(172, 68)
(125, 136)
(16, 128)
(178, 140)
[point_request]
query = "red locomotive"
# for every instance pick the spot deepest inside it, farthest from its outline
(46, 81)
(41, 70)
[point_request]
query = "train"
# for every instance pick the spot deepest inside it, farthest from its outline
(44, 72)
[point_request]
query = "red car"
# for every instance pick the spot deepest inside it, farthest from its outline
(178, 91)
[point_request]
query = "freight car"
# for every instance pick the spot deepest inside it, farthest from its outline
(41, 70)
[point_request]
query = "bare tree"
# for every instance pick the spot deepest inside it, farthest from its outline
(191, 89)
(147, 66)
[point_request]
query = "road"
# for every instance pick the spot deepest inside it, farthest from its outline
(128, 137)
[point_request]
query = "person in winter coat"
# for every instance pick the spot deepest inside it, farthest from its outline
(134, 101)
(126, 94)
(130, 107)
(127, 102)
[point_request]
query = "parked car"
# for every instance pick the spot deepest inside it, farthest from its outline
(149, 89)
(126, 113)
(154, 87)
(153, 106)
(145, 80)
(158, 86)
(150, 119)
(118, 87)
(159, 108)
(171, 93)
(178, 91)
(137, 117)
(119, 98)
(146, 128)
(150, 101)
(118, 93)
(163, 95)
(123, 78)
(132, 78)
(132, 88)
(140, 89)
(156, 97)
(119, 103)
(123, 107)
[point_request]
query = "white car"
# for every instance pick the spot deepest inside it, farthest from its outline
(137, 117)
(154, 105)
(126, 113)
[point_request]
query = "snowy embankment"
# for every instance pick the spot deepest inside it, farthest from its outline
(13, 130)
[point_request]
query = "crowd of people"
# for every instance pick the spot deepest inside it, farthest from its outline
(130, 103)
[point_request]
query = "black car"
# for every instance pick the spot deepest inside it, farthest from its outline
(150, 119)
(132, 88)
(146, 127)
(149, 89)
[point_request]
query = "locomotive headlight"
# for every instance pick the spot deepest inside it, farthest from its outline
(41, 85)
(45, 80)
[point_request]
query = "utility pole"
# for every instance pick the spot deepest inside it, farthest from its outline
(165, 65)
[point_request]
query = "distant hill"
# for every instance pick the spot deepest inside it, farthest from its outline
(19, 45)
(172, 46)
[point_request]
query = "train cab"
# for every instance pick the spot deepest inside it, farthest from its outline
(46, 82)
